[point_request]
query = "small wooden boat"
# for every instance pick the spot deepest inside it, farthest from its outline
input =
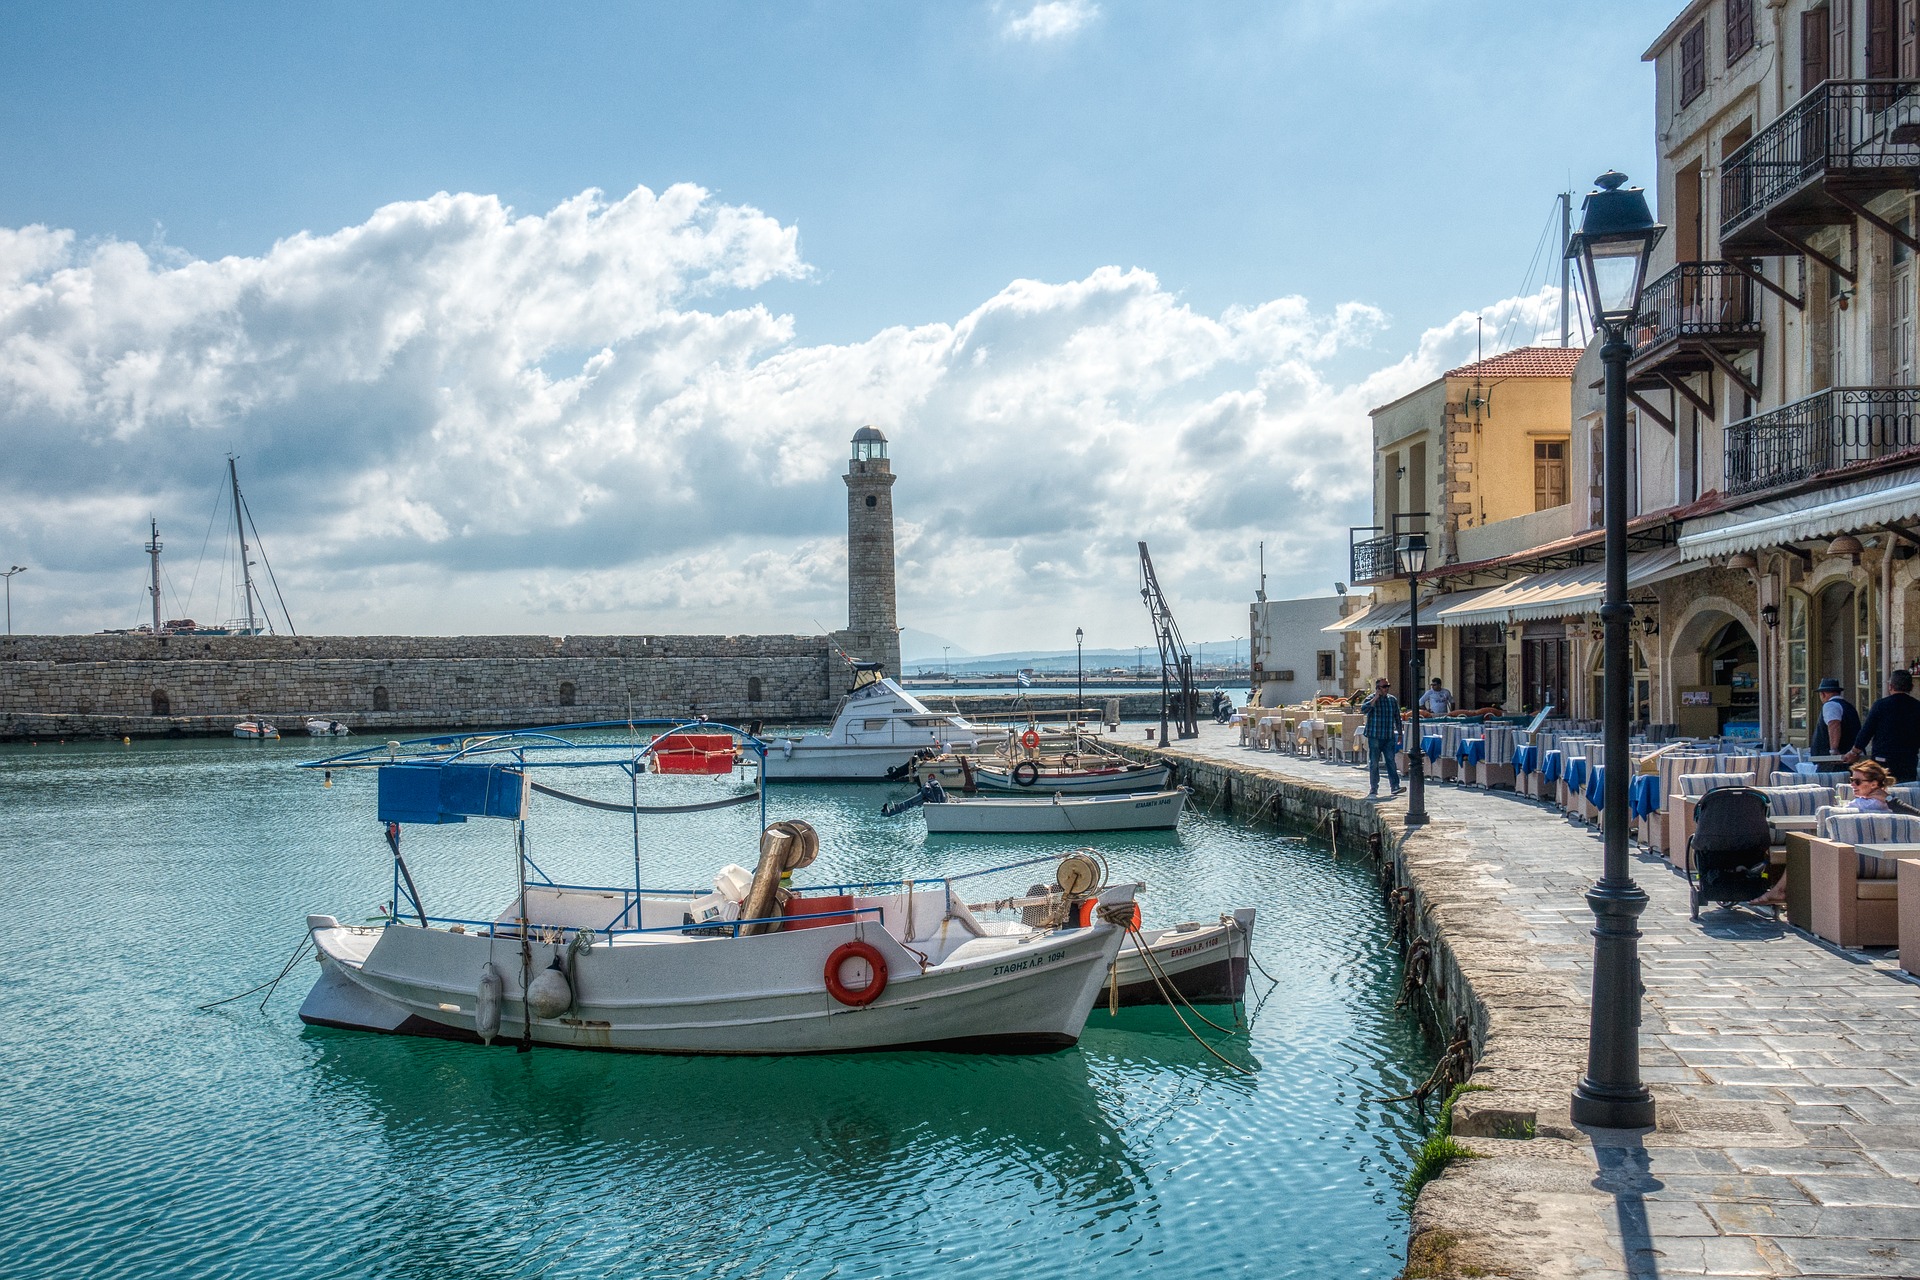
(258, 730)
(1061, 814)
(1045, 777)
(318, 728)
(1206, 963)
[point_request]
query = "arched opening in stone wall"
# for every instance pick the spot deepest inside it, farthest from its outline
(1639, 700)
(566, 693)
(162, 705)
(380, 702)
(1716, 675)
(753, 689)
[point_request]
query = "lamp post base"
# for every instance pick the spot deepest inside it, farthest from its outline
(1599, 1108)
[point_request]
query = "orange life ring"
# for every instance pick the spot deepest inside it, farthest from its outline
(877, 963)
(1088, 907)
(1030, 740)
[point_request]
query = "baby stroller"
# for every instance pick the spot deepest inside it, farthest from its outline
(1727, 856)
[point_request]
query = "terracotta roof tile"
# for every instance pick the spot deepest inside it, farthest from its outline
(1523, 362)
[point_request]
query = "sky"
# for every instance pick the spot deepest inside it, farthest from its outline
(558, 319)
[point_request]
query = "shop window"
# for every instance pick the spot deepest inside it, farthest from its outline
(1693, 63)
(1797, 690)
(1740, 39)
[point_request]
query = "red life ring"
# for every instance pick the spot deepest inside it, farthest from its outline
(856, 950)
(1091, 905)
(1030, 740)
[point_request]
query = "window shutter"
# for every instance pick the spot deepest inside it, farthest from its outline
(1905, 37)
(1693, 63)
(1813, 48)
(1739, 15)
(1840, 17)
(1880, 47)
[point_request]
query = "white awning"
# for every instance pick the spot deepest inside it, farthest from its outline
(1564, 593)
(1387, 614)
(1841, 509)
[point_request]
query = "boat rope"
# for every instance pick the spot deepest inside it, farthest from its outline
(1167, 984)
(269, 985)
(1121, 914)
(1454, 1067)
(610, 807)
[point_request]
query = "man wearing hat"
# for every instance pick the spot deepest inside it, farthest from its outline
(1838, 723)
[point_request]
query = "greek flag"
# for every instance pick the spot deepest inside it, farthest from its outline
(1026, 680)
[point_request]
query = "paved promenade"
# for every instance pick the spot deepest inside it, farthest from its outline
(1787, 1072)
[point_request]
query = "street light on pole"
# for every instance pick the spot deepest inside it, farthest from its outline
(946, 668)
(1079, 672)
(1617, 235)
(8, 575)
(1410, 553)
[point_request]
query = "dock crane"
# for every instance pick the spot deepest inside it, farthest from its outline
(1176, 664)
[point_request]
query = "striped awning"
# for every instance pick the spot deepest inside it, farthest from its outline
(1388, 614)
(1564, 593)
(1863, 504)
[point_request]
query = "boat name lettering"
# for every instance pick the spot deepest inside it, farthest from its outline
(1192, 947)
(1032, 962)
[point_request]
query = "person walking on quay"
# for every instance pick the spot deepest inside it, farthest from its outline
(1837, 725)
(1383, 737)
(1891, 733)
(1436, 701)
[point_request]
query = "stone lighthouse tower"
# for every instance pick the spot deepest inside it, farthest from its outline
(871, 633)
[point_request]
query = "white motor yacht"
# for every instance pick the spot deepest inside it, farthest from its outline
(878, 730)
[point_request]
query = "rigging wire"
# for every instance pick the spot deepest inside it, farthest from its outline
(1510, 326)
(219, 495)
(247, 507)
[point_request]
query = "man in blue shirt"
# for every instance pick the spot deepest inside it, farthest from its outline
(1383, 737)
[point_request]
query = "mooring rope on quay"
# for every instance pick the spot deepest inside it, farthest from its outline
(1786, 1072)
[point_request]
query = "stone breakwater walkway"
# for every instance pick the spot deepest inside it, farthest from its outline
(1786, 1071)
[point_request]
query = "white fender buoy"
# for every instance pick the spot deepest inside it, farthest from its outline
(486, 1010)
(550, 994)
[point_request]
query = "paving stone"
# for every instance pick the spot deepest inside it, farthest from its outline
(1784, 1069)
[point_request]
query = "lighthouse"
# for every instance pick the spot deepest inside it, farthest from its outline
(872, 634)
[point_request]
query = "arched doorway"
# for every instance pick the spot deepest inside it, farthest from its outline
(1731, 664)
(1844, 640)
(1639, 701)
(1715, 669)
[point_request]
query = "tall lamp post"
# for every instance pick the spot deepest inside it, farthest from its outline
(1617, 235)
(946, 667)
(1410, 550)
(1079, 672)
(8, 575)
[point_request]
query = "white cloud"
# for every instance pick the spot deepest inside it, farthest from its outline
(456, 418)
(1050, 20)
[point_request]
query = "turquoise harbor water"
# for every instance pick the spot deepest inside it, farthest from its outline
(146, 1138)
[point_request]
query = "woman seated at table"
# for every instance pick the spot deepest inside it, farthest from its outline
(1871, 781)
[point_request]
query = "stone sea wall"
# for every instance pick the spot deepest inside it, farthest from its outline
(76, 686)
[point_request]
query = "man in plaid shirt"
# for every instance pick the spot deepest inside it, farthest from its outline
(1383, 737)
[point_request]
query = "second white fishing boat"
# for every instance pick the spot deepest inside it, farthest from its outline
(1057, 814)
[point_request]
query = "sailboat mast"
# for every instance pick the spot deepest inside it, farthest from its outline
(153, 554)
(240, 527)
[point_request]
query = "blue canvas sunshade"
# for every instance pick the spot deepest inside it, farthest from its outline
(451, 792)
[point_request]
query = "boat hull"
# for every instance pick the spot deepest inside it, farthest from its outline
(763, 995)
(1063, 815)
(1206, 965)
(831, 762)
(1152, 777)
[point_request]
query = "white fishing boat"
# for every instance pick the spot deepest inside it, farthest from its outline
(1056, 814)
(318, 728)
(255, 729)
(1045, 777)
(730, 971)
(1204, 963)
(879, 731)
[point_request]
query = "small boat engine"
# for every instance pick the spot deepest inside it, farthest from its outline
(550, 994)
(486, 1009)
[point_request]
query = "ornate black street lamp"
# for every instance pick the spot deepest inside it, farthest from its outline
(1617, 235)
(1410, 553)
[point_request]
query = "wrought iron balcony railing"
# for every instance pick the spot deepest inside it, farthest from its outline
(1850, 128)
(1702, 300)
(1370, 559)
(1821, 432)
